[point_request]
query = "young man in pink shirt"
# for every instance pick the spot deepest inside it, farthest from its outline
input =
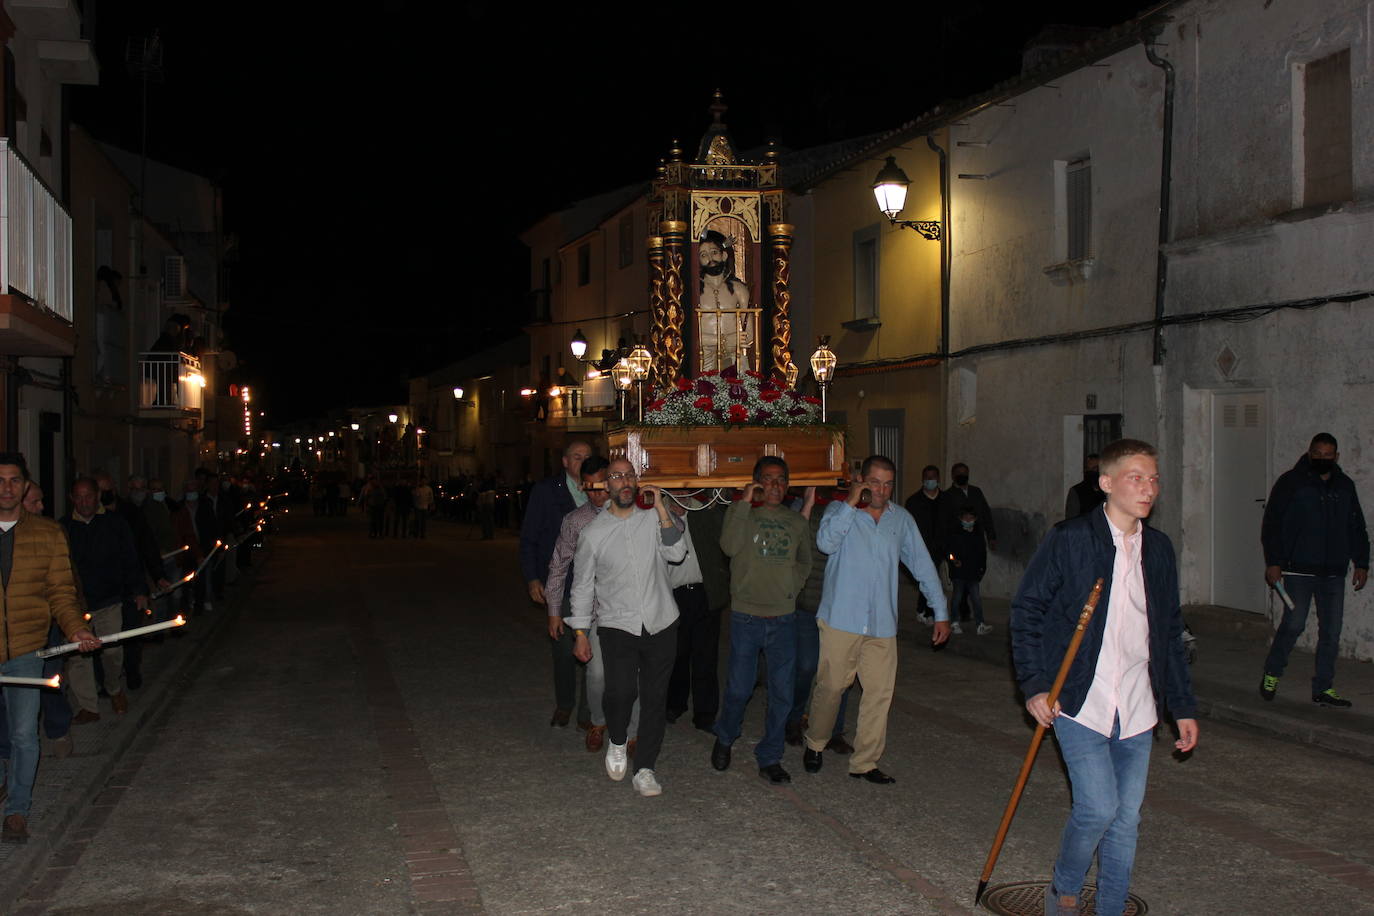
(1130, 668)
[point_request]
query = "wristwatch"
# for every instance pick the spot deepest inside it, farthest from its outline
(579, 632)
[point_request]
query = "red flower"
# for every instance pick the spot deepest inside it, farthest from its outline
(752, 374)
(713, 372)
(730, 372)
(703, 402)
(769, 394)
(656, 405)
(684, 384)
(738, 413)
(737, 393)
(705, 387)
(810, 400)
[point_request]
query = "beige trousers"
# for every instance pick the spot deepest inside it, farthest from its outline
(81, 669)
(843, 656)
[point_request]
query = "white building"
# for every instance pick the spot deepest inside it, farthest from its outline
(1265, 285)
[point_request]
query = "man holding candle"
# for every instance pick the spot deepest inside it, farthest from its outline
(36, 574)
(106, 560)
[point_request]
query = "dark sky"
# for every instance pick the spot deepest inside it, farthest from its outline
(377, 165)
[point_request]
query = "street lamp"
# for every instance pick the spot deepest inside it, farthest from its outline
(624, 376)
(392, 417)
(641, 364)
(355, 427)
(823, 367)
(890, 187)
(578, 345)
(457, 393)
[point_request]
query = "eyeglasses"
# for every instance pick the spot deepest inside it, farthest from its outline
(613, 478)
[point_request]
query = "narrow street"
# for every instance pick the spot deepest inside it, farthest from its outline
(370, 735)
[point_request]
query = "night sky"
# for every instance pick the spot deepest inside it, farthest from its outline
(378, 163)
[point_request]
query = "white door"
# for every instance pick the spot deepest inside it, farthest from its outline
(1240, 484)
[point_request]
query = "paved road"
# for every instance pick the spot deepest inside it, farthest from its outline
(370, 736)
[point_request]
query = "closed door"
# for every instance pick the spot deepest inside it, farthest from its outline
(1240, 484)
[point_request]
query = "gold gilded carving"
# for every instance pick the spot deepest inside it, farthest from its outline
(708, 206)
(720, 152)
(780, 239)
(658, 313)
(668, 359)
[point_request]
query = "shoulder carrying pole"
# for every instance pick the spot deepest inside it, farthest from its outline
(1039, 736)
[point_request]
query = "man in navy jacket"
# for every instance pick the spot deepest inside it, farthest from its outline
(550, 500)
(1313, 532)
(1129, 667)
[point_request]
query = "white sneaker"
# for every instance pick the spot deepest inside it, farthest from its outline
(617, 761)
(956, 629)
(646, 784)
(984, 629)
(926, 619)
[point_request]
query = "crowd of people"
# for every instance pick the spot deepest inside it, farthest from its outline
(115, 561)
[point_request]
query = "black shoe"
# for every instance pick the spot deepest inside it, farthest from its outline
(720, 756)
(775, 774)
(673, 715)
(705, 725)
(874, 775)
(811, 761)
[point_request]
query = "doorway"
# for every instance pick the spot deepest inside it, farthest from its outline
(1240, 484)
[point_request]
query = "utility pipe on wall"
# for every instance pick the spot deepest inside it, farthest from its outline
(1165, 172)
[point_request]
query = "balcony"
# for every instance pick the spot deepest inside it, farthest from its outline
(35, 264)
(170, 386)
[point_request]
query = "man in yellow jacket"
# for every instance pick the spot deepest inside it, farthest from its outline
(36, 588)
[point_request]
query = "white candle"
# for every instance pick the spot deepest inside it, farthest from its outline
(54, 681)
(181, 549)
(201, 568)
(176, 621)
(180, 582)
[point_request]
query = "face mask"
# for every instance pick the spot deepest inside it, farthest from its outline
(138, 496)
(224, 484)
(1091, 476)
(107, 498)
(159, 496)
(967, 526)
(961, 480)
(192, 496)
(930, 485)
(1323, 465)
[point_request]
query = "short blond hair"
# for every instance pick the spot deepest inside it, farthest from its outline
(1121, 449)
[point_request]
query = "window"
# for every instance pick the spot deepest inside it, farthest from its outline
(885, 438)
(1325, 158)
(1098, 431)
(1078, 208)
(865, 278)
(627, 240)
(584, 264)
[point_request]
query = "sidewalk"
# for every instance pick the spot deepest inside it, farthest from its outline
(1230, 651)
(65, 789)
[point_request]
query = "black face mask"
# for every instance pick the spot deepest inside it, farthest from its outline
(1091, 476)
(961, 480)
(1322, 465)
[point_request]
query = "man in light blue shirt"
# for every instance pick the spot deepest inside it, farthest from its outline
(858, 613)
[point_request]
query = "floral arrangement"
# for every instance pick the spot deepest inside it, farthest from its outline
(729, 398)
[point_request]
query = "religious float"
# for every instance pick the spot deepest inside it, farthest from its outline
(718, 279)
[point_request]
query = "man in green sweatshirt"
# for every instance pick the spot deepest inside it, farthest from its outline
(769, 547)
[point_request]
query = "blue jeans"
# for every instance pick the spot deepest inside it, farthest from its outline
(1329, 592)
(972, 591)
(1108, 780)
(776, 637)
(21, 708)
(808, 658)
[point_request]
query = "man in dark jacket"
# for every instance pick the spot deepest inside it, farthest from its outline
(107, 566)
(1313, 530)
(551, 499)
(959, 497)
(926, 505)
(1130, 664)
(1086, 495)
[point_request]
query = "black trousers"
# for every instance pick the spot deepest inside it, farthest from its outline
(637, 664)
(695, 670)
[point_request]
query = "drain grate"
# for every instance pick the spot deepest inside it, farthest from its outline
(1027, 898)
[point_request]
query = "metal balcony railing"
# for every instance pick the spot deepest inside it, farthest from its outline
(36, 254)
(170, 382)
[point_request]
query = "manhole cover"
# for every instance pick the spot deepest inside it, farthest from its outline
(1027, 898)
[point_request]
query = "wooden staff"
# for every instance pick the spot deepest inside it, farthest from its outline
(1039, 736)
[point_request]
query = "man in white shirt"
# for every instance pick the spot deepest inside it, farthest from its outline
(620, 574)
(1132, 651)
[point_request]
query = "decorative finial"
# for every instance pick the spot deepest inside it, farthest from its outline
(675, 151)
(771, 154)
(718, 107)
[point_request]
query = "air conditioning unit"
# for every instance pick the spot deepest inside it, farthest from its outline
(173, 277)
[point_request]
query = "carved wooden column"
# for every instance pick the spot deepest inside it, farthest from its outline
(669, 356)
(780, 245)
(658, 312)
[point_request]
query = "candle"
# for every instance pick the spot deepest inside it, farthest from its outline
(201, 568)
(54, 681)
(182, 549)
(180, 582)
(177, 621)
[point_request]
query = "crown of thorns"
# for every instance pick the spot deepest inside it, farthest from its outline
(726, 241)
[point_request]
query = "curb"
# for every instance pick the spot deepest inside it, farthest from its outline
(22, 868)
